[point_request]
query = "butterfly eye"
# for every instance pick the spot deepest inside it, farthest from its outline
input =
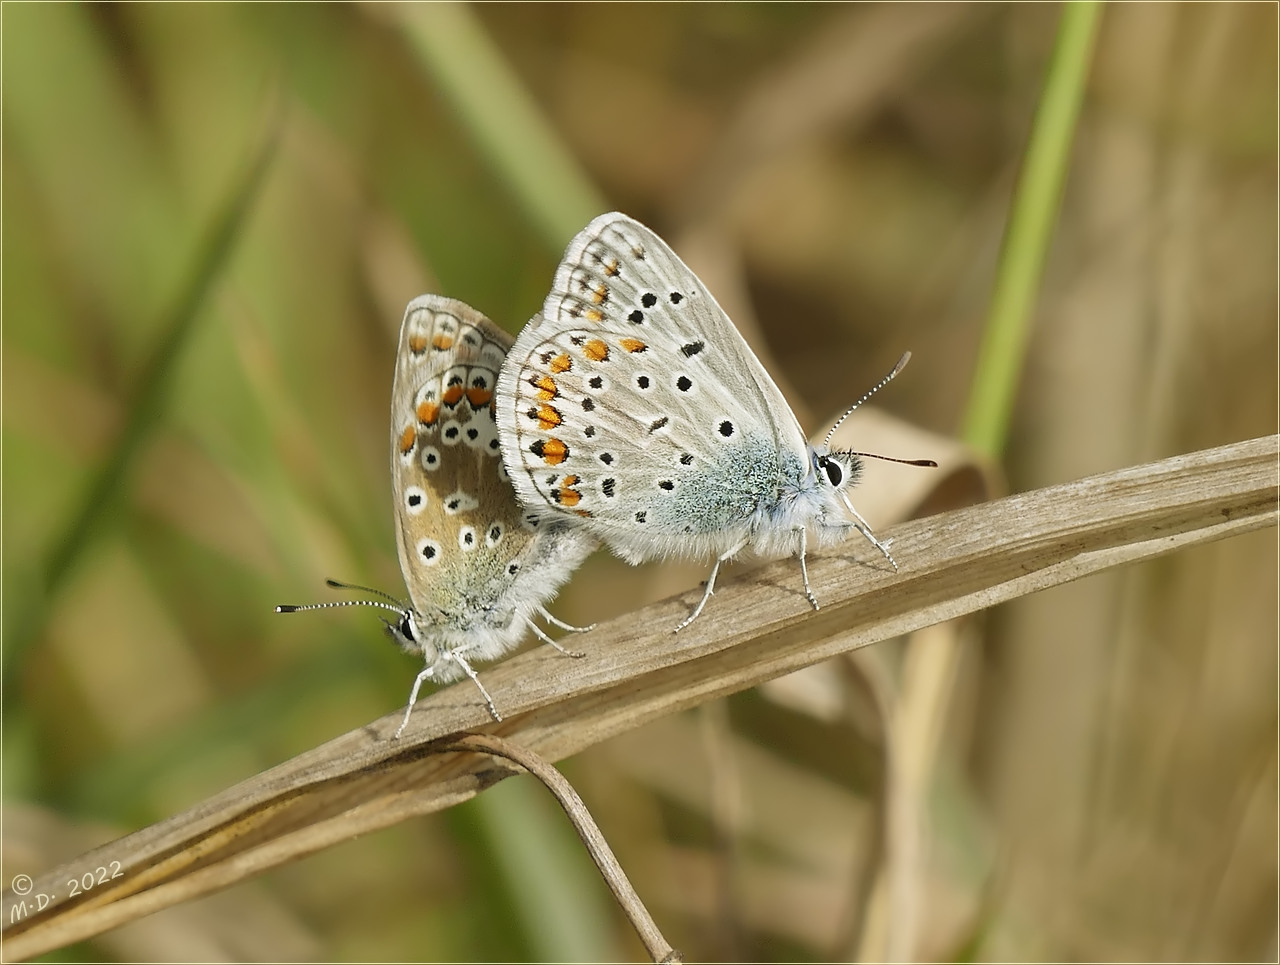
(835, 474)
(406, 628)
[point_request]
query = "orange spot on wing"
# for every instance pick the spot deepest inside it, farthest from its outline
(611, 267)
(546, 386)
(548, 417)
(550, 451)
(566, 497)
(593, 315)
(479, 398)
(596, 350)
(633, 344)
(452, 395)
(561, 363)
(600, 293)
(442, 341)
(428, 412)
(417, 343)
(408, 439)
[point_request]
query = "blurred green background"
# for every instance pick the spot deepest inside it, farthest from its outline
(1102, 778)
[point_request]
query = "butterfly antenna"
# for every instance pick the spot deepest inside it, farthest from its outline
(395, 606)
(338, 585)
(928, 463)
(902, 364)
(298, 608)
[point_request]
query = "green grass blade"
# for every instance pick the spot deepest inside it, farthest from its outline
(1031, 221)
(507, 125)
(146, 408)
(560, 900)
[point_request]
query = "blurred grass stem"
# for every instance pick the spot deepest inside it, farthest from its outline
(1026, 242)
(507, 125)
(659, 949)
(153, 383)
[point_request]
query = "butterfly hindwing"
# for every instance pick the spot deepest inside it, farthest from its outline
(474, 567)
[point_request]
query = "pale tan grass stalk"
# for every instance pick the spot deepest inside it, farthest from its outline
(757, 628)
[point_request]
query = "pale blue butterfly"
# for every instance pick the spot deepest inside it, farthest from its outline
(635, 410)
(478, 567)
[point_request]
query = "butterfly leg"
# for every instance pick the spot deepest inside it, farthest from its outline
(426, 675)
(711, 585)
(804, 568)
(542, 612)
(475, 679)
(865, 529)
(541, 635)
(413, 699)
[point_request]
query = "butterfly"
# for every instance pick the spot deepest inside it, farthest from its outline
(633, 409)
(478, 567)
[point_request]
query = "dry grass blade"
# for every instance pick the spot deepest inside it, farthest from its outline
(757, 628)
(659, 948)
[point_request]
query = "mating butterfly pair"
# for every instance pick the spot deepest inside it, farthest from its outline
(629, 413)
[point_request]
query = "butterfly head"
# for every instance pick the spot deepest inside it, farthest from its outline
(824, 500)
(409, 637)
(837, 470)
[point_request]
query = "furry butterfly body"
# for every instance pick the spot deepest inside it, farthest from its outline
(634, 410)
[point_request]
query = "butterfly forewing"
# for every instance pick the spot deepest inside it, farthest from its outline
(635, 404)
(624, 279)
